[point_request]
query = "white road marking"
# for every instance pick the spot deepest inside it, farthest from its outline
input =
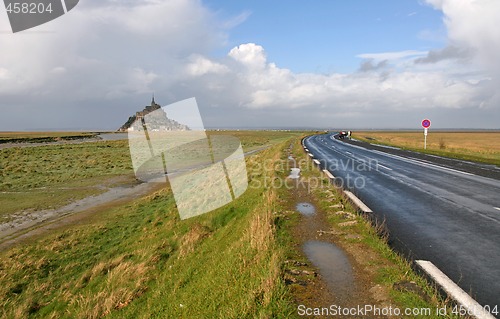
(496, 208)
(384, 167)
(454, 291)
(387, 146)
(421, 163)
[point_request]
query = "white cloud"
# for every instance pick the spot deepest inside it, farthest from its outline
(103, 44)
(105, 57)
(250, 55)
(4, 74)
(58, 70)
(263, 85)
(473, 25)
(135, 81)
(200, 65)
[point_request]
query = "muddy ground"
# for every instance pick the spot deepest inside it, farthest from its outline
(325, 271)
(29, 224)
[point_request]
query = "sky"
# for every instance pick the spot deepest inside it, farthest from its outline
(357, 64)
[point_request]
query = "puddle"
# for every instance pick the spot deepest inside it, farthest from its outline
(24, 220)
(333, 266)
(113, 136)
(305, 209)
(294, 173)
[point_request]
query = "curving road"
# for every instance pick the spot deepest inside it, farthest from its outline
(433, 210)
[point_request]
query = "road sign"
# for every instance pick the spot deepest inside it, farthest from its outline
(426, 124)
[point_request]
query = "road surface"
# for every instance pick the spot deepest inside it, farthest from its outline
(433, 211)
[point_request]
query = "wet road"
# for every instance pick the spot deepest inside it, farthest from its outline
(433, 212)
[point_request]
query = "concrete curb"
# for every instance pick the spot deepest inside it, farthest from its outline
(472, 307)
(362, 206)
(316, 162)
(329, 175)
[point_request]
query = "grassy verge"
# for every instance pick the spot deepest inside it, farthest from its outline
(483, 147)
(394, 280)
(141, 261)
(251, 140)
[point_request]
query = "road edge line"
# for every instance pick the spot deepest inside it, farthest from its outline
(473, 308)
(354, 199)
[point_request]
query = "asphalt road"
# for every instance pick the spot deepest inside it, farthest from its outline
(433, 211)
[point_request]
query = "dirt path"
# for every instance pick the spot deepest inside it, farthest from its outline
(338, 279)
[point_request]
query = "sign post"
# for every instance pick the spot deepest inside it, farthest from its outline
(426, 124)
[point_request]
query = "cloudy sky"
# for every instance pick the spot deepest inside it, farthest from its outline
(329, 64)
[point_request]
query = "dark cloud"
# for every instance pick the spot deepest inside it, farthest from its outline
(448, 53)
(370, 65)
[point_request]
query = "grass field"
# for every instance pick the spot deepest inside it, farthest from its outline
(51, 176)
(474, 146)
(140, 260)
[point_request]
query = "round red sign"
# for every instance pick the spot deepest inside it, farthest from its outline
(426, 123)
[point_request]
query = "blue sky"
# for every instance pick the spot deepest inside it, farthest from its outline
(326, 36)
(316, 64)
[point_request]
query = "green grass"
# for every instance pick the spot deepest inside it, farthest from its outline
(51, 176)
(251, 140)
(45, 177)
(141, 261)
(35, 167)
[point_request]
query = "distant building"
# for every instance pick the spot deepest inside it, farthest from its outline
(156, 121)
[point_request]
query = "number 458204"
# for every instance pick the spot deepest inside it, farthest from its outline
(25, 7)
